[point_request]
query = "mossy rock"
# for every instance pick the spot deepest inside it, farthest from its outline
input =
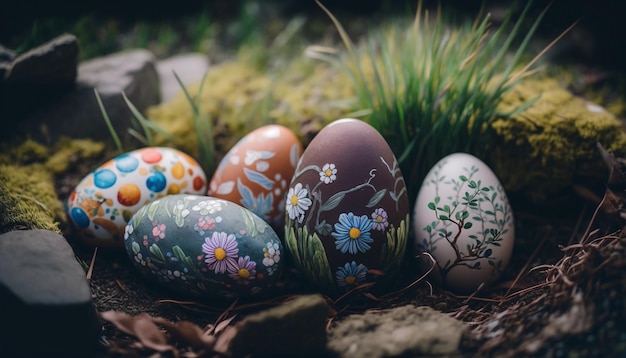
(28, 196)
(552, 145)
(28, 199)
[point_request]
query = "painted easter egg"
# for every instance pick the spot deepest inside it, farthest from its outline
(347, 214)
(463, 218)
(255, 173)
(204, 246)
(103, 201)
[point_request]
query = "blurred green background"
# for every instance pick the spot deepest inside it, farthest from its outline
(208, 26)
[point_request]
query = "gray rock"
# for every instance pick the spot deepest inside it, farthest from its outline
(296, 328)
(404, 331)
(77, 113)
(189, 67)
(53, 64)
(44, 288)
(36, 78)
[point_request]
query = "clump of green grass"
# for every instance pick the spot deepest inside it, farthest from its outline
(431, 90)
(146, 127)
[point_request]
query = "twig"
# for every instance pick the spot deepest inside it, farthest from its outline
(527, 264)
(92, 264)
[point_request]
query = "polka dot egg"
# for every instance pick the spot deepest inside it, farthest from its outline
(104, 201)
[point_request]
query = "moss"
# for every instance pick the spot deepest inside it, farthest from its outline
(605, 88)
(547, 148)
(26, 152)
(552, 144)
(28, 199)
(228, 89)
(239, 98)
(68, 150)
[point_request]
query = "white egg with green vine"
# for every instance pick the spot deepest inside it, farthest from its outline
(463, 219)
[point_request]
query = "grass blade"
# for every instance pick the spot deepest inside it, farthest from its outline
(107, 120)
(140, 118)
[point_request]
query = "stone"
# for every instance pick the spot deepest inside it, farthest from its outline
(52, 64)
(36, 77)
(405, 331)
(42, 288)
(77, 113)
(551, 147)
(295, 328)
(189, 67)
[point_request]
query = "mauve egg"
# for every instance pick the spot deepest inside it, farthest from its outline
(463, 218)
(347, 216)
(103, 201)
(255, 173)
(205, 247)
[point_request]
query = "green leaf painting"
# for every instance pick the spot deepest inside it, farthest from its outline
(309, 255)
(376, 198)
(393, 250)
(251, 227)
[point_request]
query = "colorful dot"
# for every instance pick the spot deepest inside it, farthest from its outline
(198, 183)
(104, 178)
(129, 194)
(151, 155)
(126, 163)
(80, 218)
(178, 170)
(156, 182)
(188, 158)
(173, 189)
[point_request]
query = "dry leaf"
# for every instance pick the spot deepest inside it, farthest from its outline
(188, 333)
(222, 325)
(141, 326)
(223, 341)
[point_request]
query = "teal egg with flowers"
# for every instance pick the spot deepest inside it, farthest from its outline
(206, 247)
(347, 210)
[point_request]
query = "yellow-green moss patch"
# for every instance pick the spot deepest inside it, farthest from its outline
(26, 152)
(69, 150)
(552, 144)
(240, 98)
(28, 199)
(28, 169)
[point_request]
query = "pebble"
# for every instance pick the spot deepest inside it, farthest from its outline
(295, 328)
(405, 331)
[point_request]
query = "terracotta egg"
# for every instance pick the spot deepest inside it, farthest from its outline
(255, 173)
(347, 215)
(205, 247)
(463, 218)
(103, 201)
